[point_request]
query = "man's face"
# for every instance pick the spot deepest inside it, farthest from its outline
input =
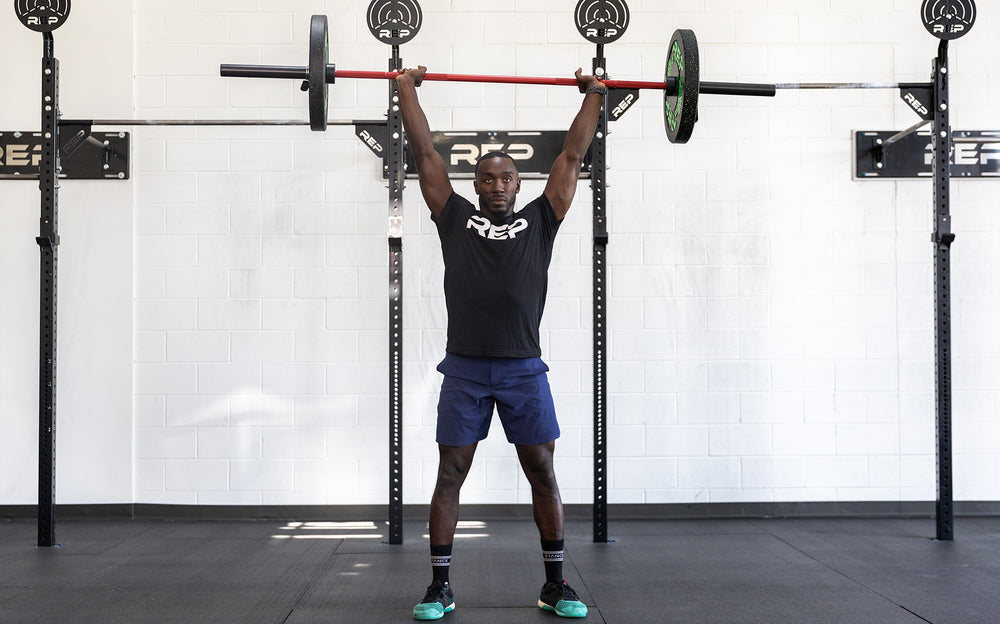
(497, 185)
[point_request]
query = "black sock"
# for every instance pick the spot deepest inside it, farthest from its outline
(441, 562)
(552, 554)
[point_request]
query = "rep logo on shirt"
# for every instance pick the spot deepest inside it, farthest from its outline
(487, 230)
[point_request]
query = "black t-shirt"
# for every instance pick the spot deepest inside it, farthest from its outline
(495, 277)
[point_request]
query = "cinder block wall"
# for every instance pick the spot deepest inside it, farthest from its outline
(94, 378)
(771, 319)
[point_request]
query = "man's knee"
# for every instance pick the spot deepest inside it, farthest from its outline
(450, 477)
(537, 464)
(453, 466)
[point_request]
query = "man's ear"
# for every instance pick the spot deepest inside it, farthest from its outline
(475, 185)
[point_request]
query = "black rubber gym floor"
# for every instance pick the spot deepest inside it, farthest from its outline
(847, 571)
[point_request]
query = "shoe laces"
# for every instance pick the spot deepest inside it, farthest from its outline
(566, 592)
(437, 592)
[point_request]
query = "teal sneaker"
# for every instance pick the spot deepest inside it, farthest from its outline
(438, 600)
(561, 598)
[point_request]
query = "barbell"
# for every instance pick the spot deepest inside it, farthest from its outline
(681, 83)
(680, 86)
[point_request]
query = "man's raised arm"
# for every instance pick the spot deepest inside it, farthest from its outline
(434, 182)
(561, 186)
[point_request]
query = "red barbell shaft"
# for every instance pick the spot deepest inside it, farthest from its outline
(711, 88)
(531, 80)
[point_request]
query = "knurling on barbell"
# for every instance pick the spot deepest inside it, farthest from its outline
(681, 84)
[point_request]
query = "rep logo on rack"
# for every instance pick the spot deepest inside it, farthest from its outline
(602, 21)
(42, 15)
(19, 154)
(948, 19)
(394, 21)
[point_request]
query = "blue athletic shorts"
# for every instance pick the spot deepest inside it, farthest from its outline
(517, 388)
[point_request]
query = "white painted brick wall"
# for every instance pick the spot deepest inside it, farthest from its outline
(770, 321)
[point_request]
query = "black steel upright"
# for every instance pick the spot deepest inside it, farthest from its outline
(396, 174)
(942, 239)
(48, 245)
(598, 182)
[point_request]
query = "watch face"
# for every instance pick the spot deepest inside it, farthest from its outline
(948, 19)
(42, 15)
(601, 21)
(394, 21)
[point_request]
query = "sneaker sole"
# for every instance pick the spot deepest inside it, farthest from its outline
(433, 616)
(546, 607)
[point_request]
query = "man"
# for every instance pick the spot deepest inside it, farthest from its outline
(496, 263)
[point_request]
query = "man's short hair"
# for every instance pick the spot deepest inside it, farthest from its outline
(489, 155)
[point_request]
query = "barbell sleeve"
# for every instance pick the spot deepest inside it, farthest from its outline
(263, 71)
(272, 71)
(737, 88)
